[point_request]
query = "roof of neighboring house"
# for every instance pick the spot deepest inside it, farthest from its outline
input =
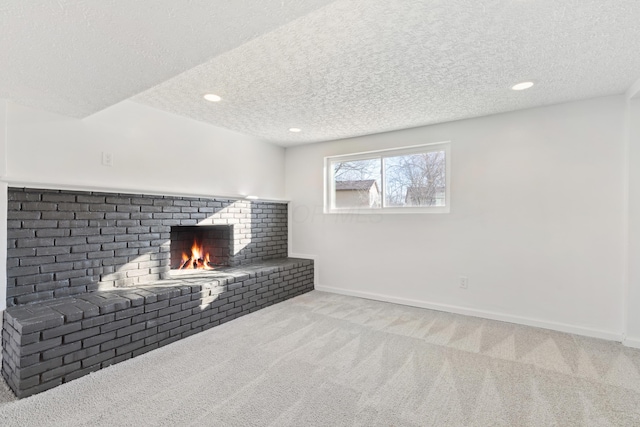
(362, 184)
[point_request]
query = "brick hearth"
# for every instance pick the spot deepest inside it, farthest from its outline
(53, 342)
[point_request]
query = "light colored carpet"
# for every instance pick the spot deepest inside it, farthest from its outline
(322, 360)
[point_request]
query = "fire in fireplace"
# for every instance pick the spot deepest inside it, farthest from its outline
(197, 259)
(200, 247)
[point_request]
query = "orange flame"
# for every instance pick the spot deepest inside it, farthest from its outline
(198, 260)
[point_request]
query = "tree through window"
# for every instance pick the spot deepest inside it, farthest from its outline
(415, 179)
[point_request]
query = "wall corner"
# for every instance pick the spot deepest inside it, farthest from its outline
(3, 204)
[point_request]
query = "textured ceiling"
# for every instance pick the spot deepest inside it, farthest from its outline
(360, 67)
(76, 57)
(334, 69)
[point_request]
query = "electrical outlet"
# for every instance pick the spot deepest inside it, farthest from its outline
(107, 159)
(464, 282)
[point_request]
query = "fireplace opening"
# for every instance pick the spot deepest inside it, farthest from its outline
(200, 247)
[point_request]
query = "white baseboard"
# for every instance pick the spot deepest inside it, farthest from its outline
(556, 326)
(306, 256)
(631, 342)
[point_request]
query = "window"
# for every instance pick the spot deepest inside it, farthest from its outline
(410, 179)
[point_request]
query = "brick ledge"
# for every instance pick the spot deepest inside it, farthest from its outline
(53, 342)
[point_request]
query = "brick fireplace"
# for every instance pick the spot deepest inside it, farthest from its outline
(92, 280)
(63, 243)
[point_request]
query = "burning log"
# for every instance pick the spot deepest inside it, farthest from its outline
(196, 261)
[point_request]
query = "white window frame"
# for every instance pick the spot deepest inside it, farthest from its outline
(329, 179)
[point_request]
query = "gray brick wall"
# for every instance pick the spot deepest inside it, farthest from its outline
(53, 342)
(64, 243)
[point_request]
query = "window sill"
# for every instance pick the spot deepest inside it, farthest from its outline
(388, 211)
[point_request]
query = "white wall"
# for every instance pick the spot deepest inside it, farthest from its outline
(153, 152)
(536, 222)
(633, 278)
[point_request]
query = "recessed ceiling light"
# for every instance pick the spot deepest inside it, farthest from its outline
(213, 98)
(295, 129)
(251, 197)
(522, 86)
